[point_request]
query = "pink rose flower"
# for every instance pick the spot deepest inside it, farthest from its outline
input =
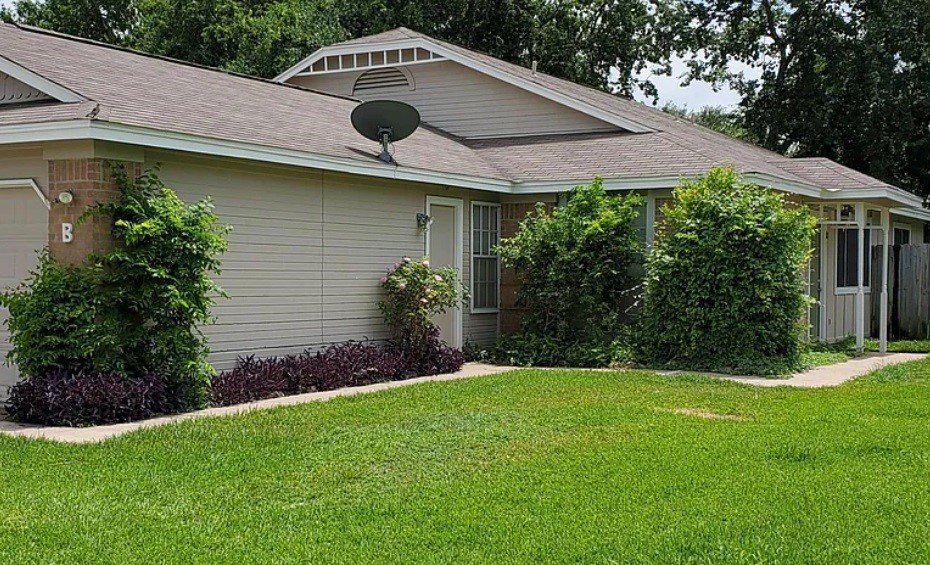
(401, 286)
(438, 278)
(423, 300)
(383, 280)
(406, 259)
(426, 263)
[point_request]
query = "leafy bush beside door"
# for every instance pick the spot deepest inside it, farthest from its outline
(574, 264)
(724, 290)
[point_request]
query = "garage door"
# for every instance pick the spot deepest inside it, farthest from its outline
(23, 230)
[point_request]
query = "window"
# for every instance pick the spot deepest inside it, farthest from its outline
(847, 258)
(485, 264)
(902, 235)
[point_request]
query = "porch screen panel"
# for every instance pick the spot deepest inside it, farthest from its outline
(847, 258)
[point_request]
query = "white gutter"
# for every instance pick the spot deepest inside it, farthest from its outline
(71, 130)
(133, 135)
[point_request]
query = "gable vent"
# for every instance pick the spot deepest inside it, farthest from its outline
(12, 91)
(378, 79)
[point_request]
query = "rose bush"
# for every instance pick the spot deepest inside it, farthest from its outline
(415, 294)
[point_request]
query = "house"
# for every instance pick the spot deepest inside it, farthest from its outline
(317, 217)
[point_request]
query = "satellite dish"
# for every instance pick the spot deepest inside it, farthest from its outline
(385, 121)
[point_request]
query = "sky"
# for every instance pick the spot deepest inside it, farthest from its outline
(694, 96)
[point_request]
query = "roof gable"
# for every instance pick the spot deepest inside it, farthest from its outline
(19, 84)
(432, 50)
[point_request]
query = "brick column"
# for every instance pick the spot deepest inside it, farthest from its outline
(91, 182)
(511, 216)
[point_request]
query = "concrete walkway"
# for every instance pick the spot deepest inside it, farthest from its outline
(100, 433)
(832, 375)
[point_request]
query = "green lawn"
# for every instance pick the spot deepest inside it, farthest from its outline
(831, 353)
(560, 466)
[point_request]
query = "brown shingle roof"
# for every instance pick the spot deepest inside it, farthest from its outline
(153, 92)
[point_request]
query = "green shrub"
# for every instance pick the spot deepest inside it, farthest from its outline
(58, 320)
(158, 280)
(414, 294)
(135, 310)
(723, 289)
(574, 264)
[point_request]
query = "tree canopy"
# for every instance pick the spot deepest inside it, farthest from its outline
(844, 79)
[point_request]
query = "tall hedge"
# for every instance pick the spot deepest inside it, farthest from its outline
(724, 290)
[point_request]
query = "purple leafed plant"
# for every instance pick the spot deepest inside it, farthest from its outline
(342, 365)
(63, 398)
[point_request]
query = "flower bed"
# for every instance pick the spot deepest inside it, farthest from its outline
(63, 398)
(344, 365)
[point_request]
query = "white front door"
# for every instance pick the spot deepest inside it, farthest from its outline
(23, 231)
(444, 249)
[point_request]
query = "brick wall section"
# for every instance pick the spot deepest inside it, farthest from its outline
(91, 182)
(511, 216)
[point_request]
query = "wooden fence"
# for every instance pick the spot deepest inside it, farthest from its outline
(908, 291)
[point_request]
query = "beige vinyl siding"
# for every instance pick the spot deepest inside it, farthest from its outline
(23, 230)
(306, 253)
(467, 103)
(24, 162)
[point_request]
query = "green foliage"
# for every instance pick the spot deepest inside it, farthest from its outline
(526, 349)
(414, 294)
(110, 21)
(135, 310)
(158, 281)
(717, 118)
(575, 267)
(723, 287)
(818, 63)
(59, 320)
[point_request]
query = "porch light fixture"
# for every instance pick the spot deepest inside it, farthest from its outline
(423, 221)
(65, 197)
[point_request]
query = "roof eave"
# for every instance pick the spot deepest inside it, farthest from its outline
(97, 130)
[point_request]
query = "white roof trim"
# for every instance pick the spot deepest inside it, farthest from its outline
(147, 137)
(25, 76)
(529, 86)
(915, 213)
(26, 183)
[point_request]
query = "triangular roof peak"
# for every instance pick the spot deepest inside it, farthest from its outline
(402, 47)
(19, 84)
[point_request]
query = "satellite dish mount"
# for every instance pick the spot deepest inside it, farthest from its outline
(386, 135)
(385, 121)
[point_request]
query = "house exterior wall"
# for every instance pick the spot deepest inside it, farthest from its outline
(467, 103)
(306, 252)
(23, 228)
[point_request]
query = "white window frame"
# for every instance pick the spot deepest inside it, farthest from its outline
(903, 227)
(471, 266)
(867, 285)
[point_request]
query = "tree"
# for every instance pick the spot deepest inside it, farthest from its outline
(847, 80)
(110, 21)
(257, 37)
(717, 118)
